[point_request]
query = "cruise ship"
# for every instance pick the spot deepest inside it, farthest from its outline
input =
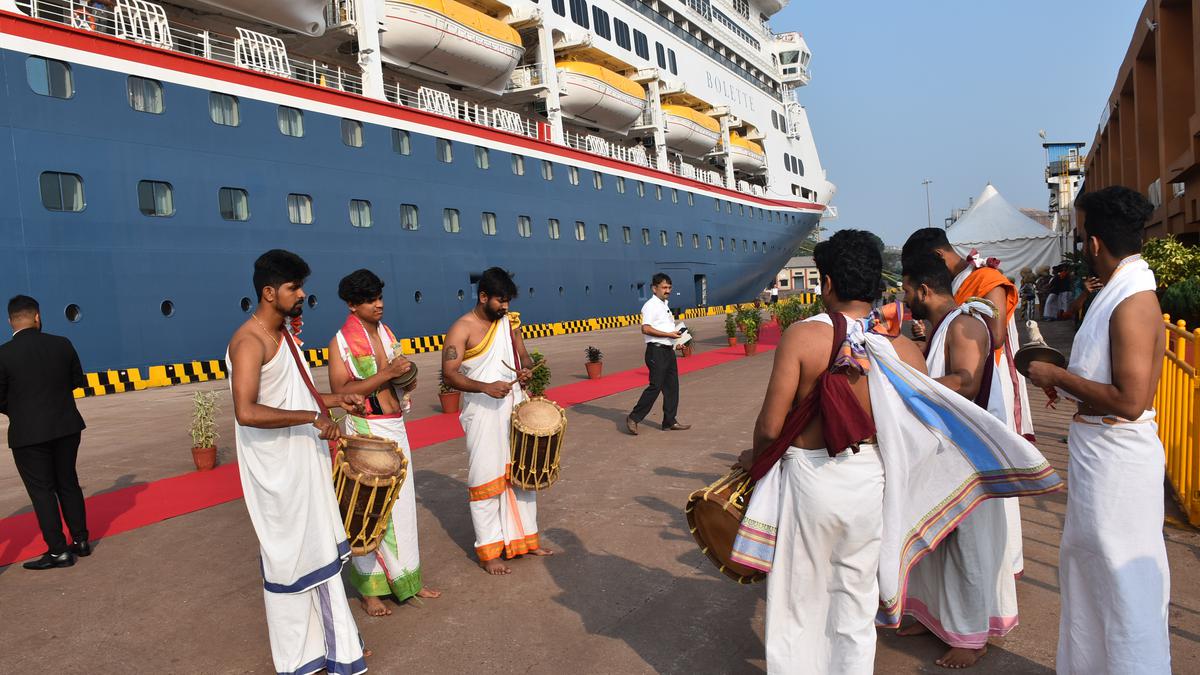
(151, 151)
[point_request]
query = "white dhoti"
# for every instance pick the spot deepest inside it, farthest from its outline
(824, 592)
(394, 567)
(964, 591)
(287, 480)
(504, 516)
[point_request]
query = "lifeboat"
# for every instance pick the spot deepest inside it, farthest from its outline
(745, 155)
(690, 132)
(302, 16)
(452, 42)
(598, 96)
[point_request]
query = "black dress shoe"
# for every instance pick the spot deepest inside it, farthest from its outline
(50, 561)
(82, 548)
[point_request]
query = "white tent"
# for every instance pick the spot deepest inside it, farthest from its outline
(998, 230)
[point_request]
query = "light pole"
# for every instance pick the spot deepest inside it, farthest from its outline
(928, 203)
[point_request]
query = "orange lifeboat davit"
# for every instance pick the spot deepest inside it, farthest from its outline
(599, 97)
(745, 155)
(457, 43)
(690, 132)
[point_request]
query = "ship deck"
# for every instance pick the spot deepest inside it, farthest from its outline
(630, 592)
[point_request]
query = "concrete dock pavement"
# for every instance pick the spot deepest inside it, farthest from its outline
(629, 591)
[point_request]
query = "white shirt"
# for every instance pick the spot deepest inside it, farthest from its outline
(657, 315)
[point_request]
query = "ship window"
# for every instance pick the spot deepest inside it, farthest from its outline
(573, 174)
(299, 209)
(721, 243)
(73, 313)
(741, 209)
(662, 237)
(62, 191)
(445, 151)
(603, 232)
(234, 203)
(579, 12)
(622, 30)
(223, 109)
(621, 184)
(646, 236)
(600, 23)
(674, 196)
(640, 45)
(481, 158)
(800, 166)
(695, 241)
(560, 7)
(787, 161)
(626, 234)
(661, 54)
(672, 65)
(417, 297)
(49, 77)
(547, 169)
(658, 192)
(450, 220)
(167, 308)
(728, 207)
(580, 230)
(679, 239)
(691, 199)
(352, 134)
(145, 95)
(708, 241)
(409, 217)
(744, 246)
(518, 165)
(155, 198)
(641, 189)
(401, 142)
(291, 121)
(360, 213)
(597, 180)
(524, 226)
(754, 246)
(553, 227)
(488, 222)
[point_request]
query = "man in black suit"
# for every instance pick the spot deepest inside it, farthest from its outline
(38, 372)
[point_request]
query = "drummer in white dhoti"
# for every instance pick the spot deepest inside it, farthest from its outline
(1112, 560)
(281, 429)
(964, 591)
(863, 464)
(364, 359)
(485, 358)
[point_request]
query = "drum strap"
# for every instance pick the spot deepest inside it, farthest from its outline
(845, 421)
(312, 389)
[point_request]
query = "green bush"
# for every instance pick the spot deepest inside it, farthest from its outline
(1171, 261)
(730, 325)
(1182, 301)
(541, 376)
(749, 320)
(793, 309)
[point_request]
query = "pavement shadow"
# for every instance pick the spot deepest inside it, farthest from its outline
(614, 415)
(668, 620)
(446, 499)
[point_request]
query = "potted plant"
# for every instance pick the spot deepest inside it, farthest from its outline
(594, 363)
(750, 322)
(450, 397)
(536, 386)
(685, 350)
(731, 328)
(203, 430)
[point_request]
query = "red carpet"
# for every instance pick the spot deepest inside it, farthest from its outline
(136, 506)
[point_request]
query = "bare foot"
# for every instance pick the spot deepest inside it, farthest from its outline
(495, 567)
(961, 657)
(367, 653)
(374, 606)
(427, 592)
(541, 551)
(914, 628)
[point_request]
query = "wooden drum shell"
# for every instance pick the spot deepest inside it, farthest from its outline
(535, 453)
(365, 498)
(714, 514)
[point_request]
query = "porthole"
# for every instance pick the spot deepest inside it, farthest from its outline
(74, 314)
(312, 301)
(246, 304)
(167, 308)
(417, 296)
(461, 295)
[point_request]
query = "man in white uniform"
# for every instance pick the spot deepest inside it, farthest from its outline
(282, 428)
(659, 332)
(1112, 560)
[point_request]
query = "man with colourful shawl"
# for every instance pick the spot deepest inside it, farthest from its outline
(863, 464)
(1112, 569)
(977, 277)
(485, 358)
(964, 591)
(364, 359)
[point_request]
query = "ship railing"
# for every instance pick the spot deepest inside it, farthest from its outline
(526, 77)
(589, 143)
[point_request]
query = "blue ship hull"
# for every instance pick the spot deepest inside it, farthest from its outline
(120, 266)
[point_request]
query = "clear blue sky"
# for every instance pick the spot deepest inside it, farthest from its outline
(952, 90)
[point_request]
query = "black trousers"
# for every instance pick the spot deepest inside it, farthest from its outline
(664, 377)
(48, 471)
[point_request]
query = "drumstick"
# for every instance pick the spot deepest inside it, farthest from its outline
(537, 365)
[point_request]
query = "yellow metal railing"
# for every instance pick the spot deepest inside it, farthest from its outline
(1179, 416)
